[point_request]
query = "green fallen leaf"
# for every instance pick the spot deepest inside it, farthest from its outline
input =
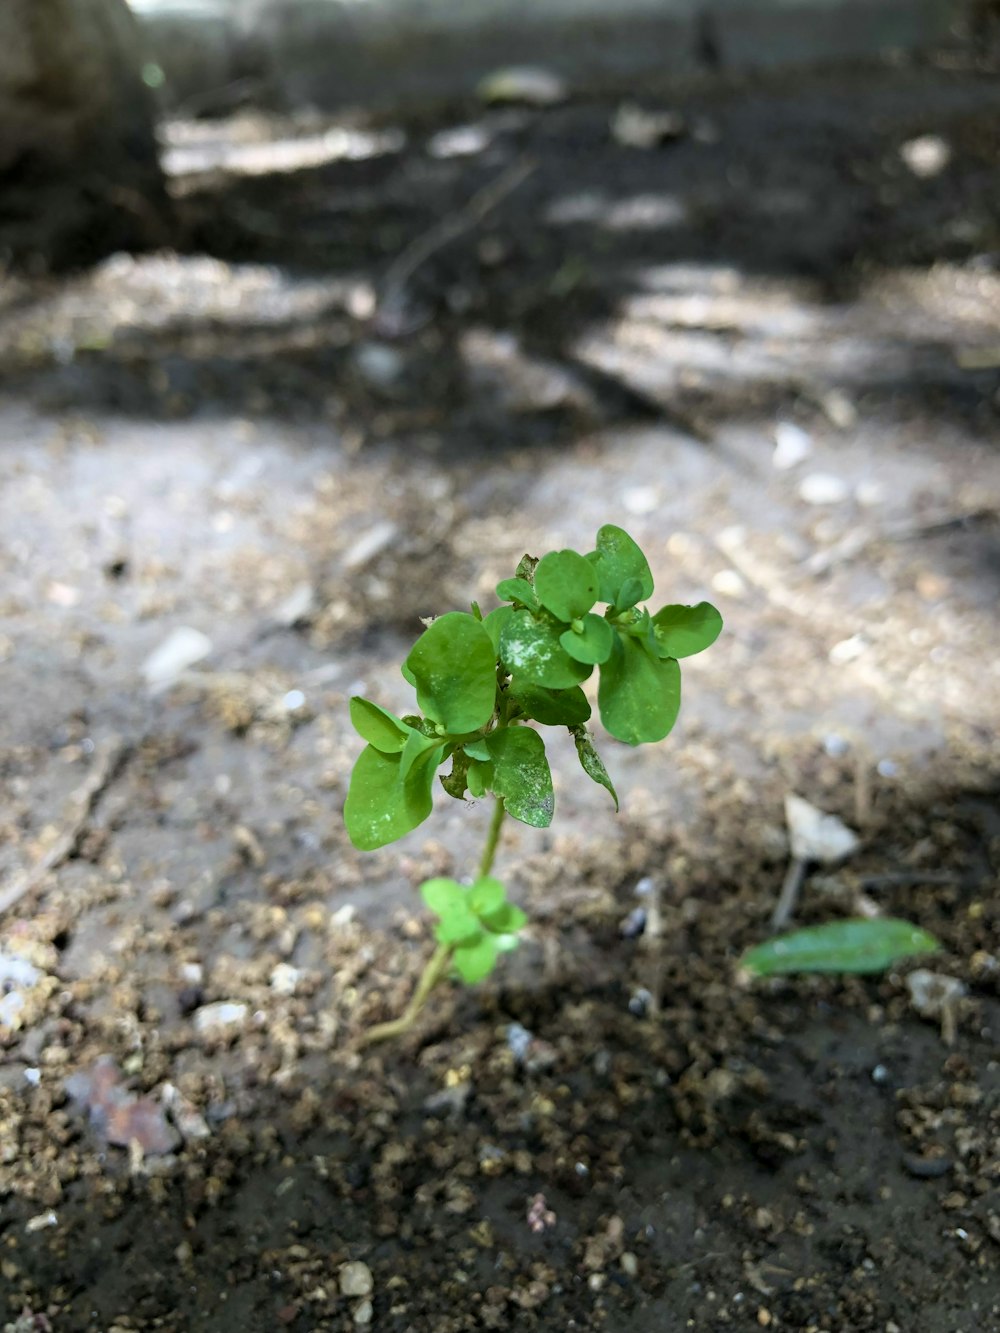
(857, 945)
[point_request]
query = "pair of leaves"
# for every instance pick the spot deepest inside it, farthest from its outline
(392, 785)
(477, 923)
(865, 944)
(551, 638)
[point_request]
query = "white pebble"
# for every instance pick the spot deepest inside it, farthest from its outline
(729, 583)
(792, 445)
(285, 979)
(212, 1018)
(179, 650)
(823, 488)
(356, 1279)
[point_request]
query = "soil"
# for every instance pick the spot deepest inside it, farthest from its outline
(285, 437)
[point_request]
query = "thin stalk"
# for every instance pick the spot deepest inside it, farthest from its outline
(440, 961)
(492, 838)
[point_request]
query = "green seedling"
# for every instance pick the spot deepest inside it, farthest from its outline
(483, 684)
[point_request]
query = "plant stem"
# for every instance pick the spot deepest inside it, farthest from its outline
(440, 961)
(436, 968)
(492, 838)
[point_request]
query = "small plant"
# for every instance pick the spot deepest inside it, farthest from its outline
(482, 684)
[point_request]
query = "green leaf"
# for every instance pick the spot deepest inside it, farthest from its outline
(617, 560)
(639, 696)
(566, 584)
(381, 806)
(494, 623)
(861, 945)
(682, 631)
(530, 648)
(486, 895)
(628, 594)
(377, 726)
(521, 775)
(553, 708)
(592, 763)
(418, 750)
(454, 670)
(480, 778)
(477, 749)
(517, 590)
(526, 567)
(638, 623)
(593, 644)
(506, 920)
(458, 927)
(442, 895)
(476, 960)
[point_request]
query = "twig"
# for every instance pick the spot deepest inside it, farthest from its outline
(403, 267)
(903, 879)
(789, 895)
(107, 764)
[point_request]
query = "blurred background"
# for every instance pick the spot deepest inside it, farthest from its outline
(316, 315)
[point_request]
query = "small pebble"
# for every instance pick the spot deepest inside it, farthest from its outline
(792, 445)
(634, 924)
(823, 488)
(630, 1264)
(356, 1279)
(926, 1168)
(212, 1018)
(639, 1002)
(181, 649)
(519, 1040)
(363, 1312)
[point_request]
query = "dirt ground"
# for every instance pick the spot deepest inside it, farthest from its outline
(384, 360)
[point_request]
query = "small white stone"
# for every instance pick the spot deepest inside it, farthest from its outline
(364, 1312)
(931, 993)
(285, 979)
(373, 543)
(640, 500)
(823, 488)
(356, 1279)
(815, 835)
(792, 446)
(179, 650)
(729, 583)
(847, 650)
(528, 84)
(212, 1018)
(927, 155)
(869, 494)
